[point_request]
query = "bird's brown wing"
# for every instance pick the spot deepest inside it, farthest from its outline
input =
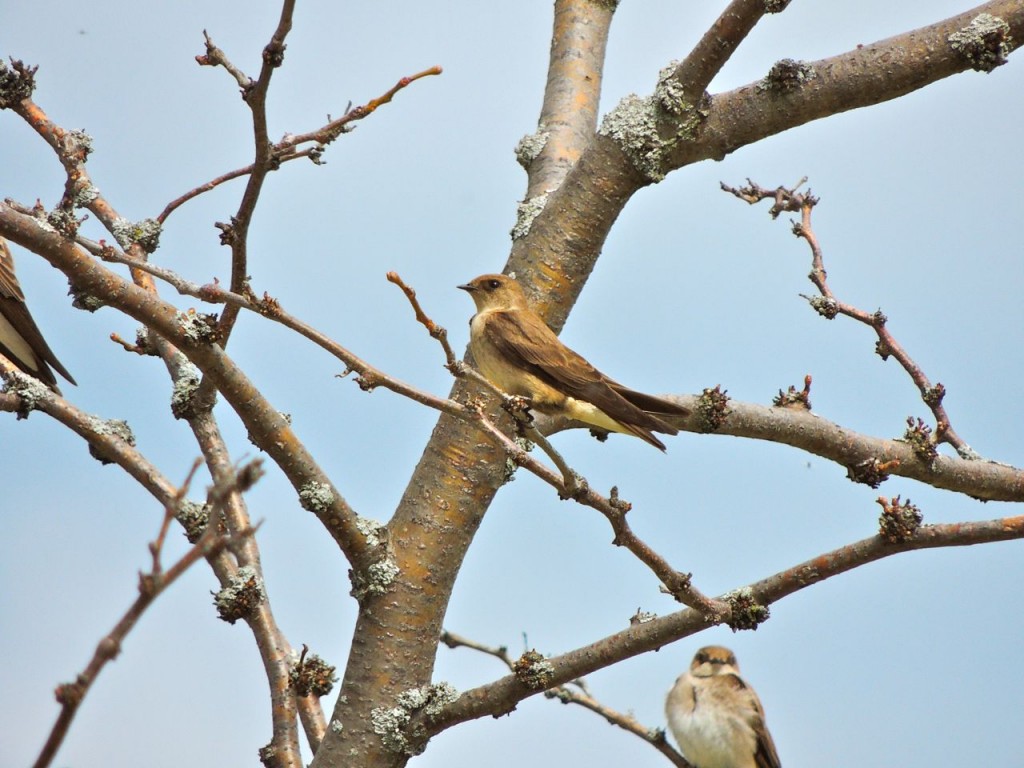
(526, 341)
(9, 287)
(765, 755)
(15, 311)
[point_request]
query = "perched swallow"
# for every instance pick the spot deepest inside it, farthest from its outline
(20, 339)
(716, 717)
(514, 348)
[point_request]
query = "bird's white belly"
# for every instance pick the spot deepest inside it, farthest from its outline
(714, 741)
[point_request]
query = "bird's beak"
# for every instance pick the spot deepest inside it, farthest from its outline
(467, 287)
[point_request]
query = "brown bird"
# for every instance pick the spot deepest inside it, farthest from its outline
(716, 717)
(20, 339)
(517, 352)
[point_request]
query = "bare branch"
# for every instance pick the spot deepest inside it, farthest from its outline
(236, 234)
(715, 48)
(576, 692)
(653, 736)
(500, 652)
(287, 149)
(829, 306)
(502, 695)
(638, 144)
(266, 426)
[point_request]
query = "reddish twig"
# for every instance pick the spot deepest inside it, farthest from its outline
(236, 233)
(215, 57)
(829, 306)
(499, 652)
(436, 331)
(288, 149)
(210, 185)
(170, 512)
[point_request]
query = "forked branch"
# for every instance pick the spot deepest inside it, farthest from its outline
(829, 306)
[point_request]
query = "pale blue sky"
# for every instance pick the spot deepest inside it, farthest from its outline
(913, 661)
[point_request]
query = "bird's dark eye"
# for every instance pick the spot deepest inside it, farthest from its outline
(492, 284)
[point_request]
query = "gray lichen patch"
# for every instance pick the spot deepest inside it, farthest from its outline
(312, 676)
(31, 391)
(183, 395)
(374, 533)
(146, 233)
(241, 596)
(316, 497)
(197, 327)
(646, 129)
(116, 427)
(109, 428)
(81, 142)
(533, 670)
(194, 517)
(985, 42)
(787, 75)
(17, 82)
(85, 195)
(527, 211)
(531, 145)
(746, 612)
(633, 126)
(669, 91)
(391, 723)
(375, 580)
(64, 222)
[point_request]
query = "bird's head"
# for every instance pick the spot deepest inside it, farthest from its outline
(714, 660)
(495, 292)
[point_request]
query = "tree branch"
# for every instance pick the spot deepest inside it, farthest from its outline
(577, 692)
(236, 234)
(267, 427)
(568, 114)
(556, 255)
(503, 695)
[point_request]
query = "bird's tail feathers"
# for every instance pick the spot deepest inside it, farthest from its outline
(654, 405)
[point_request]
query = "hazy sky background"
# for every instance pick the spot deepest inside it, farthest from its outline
(912, 661)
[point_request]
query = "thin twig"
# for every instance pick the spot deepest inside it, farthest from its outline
(215, 57)
(500, 652)
(236, 233)
(829, 306)
(171, 510)
(653, 736)
(288, 149)
(436, 331)
(576, 692)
